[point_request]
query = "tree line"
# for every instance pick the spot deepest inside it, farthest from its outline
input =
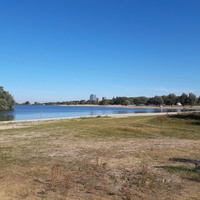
(169, 100)
(6, 100)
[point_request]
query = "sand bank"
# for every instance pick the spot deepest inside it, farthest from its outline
(18, 123)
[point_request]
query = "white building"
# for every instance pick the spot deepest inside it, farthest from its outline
(93, 97)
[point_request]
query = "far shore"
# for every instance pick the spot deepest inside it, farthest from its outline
(134, 106)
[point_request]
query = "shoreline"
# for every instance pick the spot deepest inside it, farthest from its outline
(24, 123)
(89, 116)
(187, 109)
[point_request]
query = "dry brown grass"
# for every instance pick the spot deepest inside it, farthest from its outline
(100, 158)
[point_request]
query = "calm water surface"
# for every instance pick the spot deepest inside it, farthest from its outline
(22, 112)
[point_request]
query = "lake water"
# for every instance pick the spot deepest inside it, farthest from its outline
(30, 112)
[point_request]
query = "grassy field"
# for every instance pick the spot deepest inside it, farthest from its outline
(100, 158)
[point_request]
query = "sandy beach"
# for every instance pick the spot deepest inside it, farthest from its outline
(6, 123)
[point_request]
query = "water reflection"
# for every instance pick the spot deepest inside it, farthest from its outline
(141, 111)
(121, 112)
(7, 117)
(92, 113)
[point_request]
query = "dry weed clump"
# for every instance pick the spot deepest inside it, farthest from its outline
(96, 179)
(60, 179)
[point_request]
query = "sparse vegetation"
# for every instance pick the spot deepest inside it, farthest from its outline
(100, 158)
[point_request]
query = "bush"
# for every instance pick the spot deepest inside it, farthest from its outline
(6, 100)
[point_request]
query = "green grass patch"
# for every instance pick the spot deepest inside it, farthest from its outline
(185, 172)
(135, 127)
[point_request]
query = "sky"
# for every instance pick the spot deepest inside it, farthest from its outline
(63, 50)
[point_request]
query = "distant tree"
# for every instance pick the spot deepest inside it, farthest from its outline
(140, 100)
(164, 97)
(27, 103)
(192, 99)
(170, 99)
(157, 100)
(150, 101)
(37, 103)
(82, 102)
(127, 102)
(198, 100)
(6, 100)
(103, 102)
(183, 99)
(91, 102)
(119, 100)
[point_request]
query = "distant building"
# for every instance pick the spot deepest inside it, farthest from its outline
(93, 97)
(97, 99)
(104, 98)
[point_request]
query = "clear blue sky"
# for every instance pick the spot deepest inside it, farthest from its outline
(58, 50)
